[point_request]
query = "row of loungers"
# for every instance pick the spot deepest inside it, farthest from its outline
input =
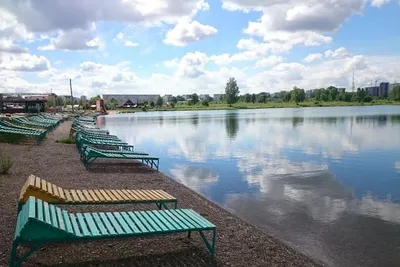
(24, 129)
(40, 221)
(93, 143)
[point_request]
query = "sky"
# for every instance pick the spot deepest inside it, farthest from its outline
(195, 46)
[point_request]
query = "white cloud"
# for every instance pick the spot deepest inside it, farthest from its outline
(76, 39)
(269, 61)
(340, 52)
(8, 46)
(187, 32)
(312, 57)
(23, 62)
(131, 44)
(66, 16)
(192, 65)
(379, 3)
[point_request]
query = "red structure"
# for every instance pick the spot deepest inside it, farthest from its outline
(100, 107)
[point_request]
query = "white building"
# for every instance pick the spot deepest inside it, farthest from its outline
(135, 99)
(204, 96)
(167, 98)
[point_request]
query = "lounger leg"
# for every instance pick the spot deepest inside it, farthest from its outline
(14, 262)
(189, 233)
(211, 247)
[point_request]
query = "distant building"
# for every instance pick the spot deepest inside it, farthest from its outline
(204, 96)
(83, 98)
(383, 90)
(373, 90)
(218, 97)
(124, 100)
(187, 97)
(341, 90)
(391, 86)
(167, 98)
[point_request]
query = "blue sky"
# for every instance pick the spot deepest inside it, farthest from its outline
(137, 47)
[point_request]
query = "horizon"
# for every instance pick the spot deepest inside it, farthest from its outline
(131, 47)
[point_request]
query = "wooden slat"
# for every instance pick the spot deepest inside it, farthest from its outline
(111, 195)
(99, 196)
(165, 216)
(157, 221)
(50, 188)
(68, 197)
(182, 219)
(105, 195)
(165, 194)
(139, 225)
(81, 196)
(147, 195)
(75, 226)
(168, 224)
(82, 224)
(139, 193)
(32, 209)
(189, 218)
(144, 222)
(55, 191)
(133, 194)
(93, 195)
(117, 196)
(122, 222)
(132, 224)
(150, 221)
(100, 224)
(122, 194)
(67, 221)
(38, 183)
(114, 223)
(87, 196)
(53, 215)
(44, 185)
(168, 214)
(203, 221)
(128, 194)
(157, 195)
(32, 179)
(61, 193)
(107, 223)
(92, 226)
(40, 214)
(46, 210)
(74, 196)
(60, 219)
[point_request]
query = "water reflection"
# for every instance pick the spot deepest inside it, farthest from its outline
(231, 125)
(324, 180)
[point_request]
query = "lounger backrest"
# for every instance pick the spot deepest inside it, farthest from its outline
(39, 220)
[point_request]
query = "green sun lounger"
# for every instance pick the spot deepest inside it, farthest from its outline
(91, 154)
(40, 223)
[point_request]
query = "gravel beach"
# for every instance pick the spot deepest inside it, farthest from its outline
(238, 243)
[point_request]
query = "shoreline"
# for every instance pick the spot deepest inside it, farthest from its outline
(238, 242)
(240, 106)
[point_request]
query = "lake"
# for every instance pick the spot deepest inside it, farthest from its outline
(326, 181)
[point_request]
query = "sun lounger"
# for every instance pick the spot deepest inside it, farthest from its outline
(91, 154)
(40, 223)
(40, 188)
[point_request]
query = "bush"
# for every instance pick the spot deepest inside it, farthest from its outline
(5, 164)
(367, 99)
(205, 103)
(68, 140)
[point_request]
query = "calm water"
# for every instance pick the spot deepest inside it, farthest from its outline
(324, 180)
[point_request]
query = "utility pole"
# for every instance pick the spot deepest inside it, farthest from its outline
(72, 97)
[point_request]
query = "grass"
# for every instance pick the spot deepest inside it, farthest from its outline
(68, 140)
(270, 104)
(6, 163)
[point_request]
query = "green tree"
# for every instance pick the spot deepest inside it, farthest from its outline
(174, 100)
(297, 95)
(152, 104)
(247, 98)
(231, 91)
(395, 94)
(92, 101)
(194, 99)
(253, 98)
(159, 101)
(61, 101)
(112, 103)
(180, 98)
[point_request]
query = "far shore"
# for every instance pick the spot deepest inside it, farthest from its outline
(268, 105)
